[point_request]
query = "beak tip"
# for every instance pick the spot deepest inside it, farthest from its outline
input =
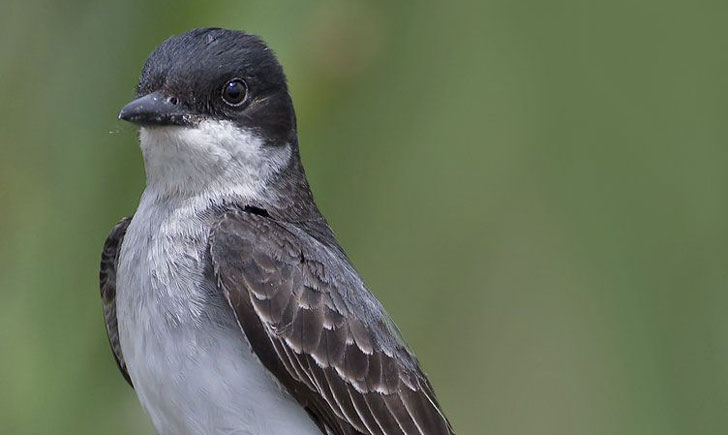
(124, 114)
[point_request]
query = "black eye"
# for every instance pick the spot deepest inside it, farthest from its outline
(234, 92)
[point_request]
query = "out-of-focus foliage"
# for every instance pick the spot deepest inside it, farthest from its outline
(537, 192)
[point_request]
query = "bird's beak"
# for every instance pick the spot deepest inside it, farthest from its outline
(156, 109)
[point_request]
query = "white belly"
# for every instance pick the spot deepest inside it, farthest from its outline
(192, 368)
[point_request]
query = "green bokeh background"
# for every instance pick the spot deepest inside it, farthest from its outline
(537, 192)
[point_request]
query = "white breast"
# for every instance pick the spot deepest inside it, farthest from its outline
(191, 366)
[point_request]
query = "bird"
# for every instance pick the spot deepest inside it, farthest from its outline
(230, 306)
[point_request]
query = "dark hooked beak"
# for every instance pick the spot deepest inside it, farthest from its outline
(156, 109)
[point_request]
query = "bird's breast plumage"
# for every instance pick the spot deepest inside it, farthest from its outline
(191, 366)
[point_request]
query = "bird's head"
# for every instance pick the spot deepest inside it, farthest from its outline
(214, 108)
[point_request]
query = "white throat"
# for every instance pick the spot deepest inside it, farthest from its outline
(213, 158)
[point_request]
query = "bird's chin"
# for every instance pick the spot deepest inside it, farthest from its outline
(189, 158)
(214, 139)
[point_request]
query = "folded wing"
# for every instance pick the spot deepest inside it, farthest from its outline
(314, 325)
(107, 284)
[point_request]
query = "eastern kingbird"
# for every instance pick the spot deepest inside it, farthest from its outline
(229, 304)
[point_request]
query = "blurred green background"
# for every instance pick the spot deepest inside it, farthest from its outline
(537, 192)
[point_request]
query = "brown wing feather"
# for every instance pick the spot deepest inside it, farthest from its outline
(107, 283)
(316, 327)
